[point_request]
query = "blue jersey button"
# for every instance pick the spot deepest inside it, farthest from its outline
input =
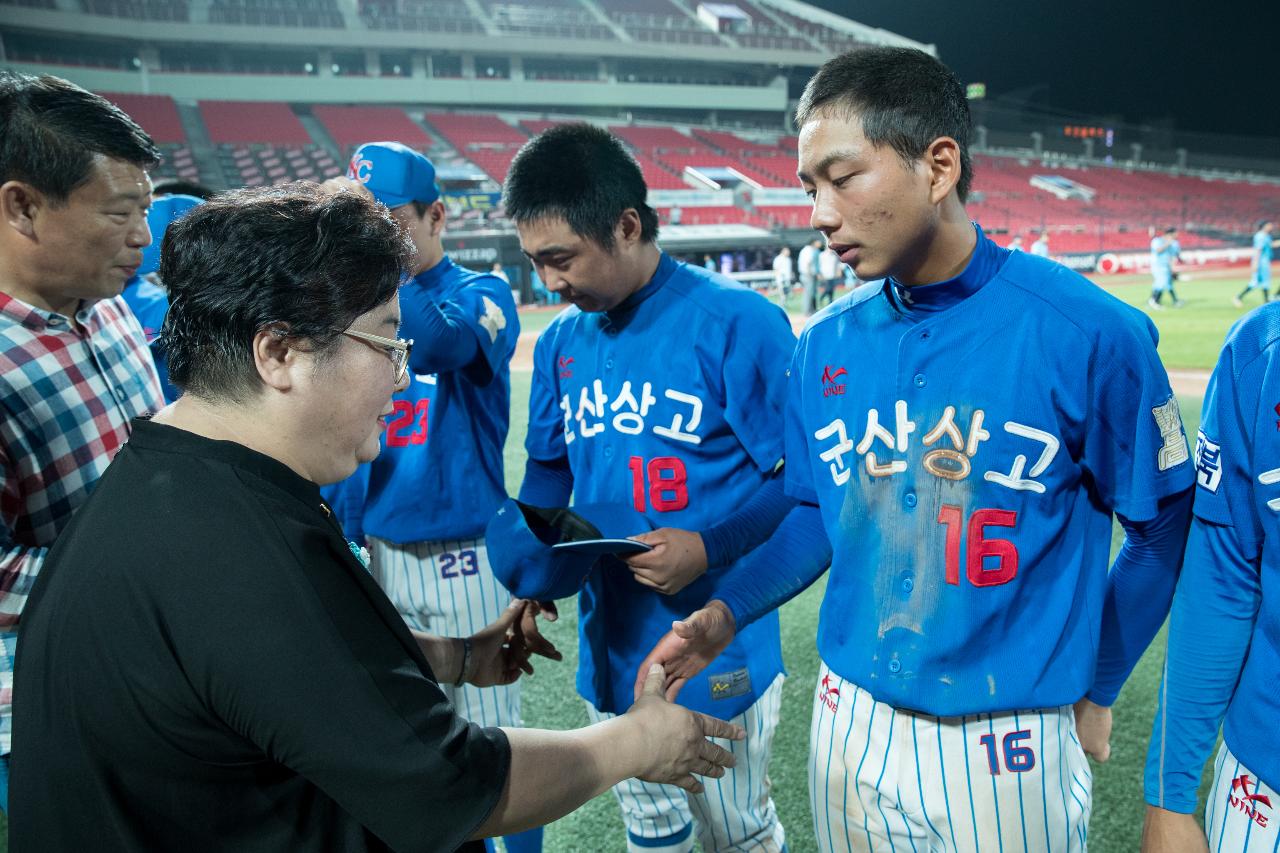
(608, 365)
(910, 499)
(608, 453)
(895, 666)
(919, 380)
(908, 584)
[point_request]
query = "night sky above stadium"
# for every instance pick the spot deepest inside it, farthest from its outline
(1211, 66)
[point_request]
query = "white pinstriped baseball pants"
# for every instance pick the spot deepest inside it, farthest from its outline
(884, 779)
(1236, 817)
(448, 588)
(733, 813)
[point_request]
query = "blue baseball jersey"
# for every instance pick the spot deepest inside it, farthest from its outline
(150, 303)
(440, 473)
(966, 443)
(671, 403)
(1237, 461)
(1262, 245)
(1262, 251)
(1164, 252)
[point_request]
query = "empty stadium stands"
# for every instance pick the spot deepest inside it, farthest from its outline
(157, 114)
(440, 16)
(352, 126)
(276, 13)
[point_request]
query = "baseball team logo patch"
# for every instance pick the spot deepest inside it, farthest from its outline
(1208, 463)
(492, 320)
(1250, 804)
(831, 384)
(1174, 450)
(727, 685)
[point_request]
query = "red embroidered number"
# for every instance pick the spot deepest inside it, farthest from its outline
(1017, 759)
(408, 414)
(980, 546)
(667, 483)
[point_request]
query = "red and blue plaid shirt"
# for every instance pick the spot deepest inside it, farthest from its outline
(68, 389)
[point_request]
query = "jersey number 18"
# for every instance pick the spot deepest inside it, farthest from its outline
(663, 481)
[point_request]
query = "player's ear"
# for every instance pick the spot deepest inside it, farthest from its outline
(942, 160)
(628, 230)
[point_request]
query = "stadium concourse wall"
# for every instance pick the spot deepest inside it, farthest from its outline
(189, 85)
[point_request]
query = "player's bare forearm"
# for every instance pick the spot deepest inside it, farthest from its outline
(1164, 831)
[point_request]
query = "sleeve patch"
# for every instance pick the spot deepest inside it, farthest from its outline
(492, 320)
(1208, 463)
(1174, 450)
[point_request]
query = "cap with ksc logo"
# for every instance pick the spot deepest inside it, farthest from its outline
(545, 553)
(394, 173)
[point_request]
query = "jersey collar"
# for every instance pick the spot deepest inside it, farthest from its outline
(431, 278)
(623, 311)
(983, 265)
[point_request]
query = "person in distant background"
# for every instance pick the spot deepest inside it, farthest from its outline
(807, 270)
(829, 276)
(783, 273)
(1260, 267)
(708, 263)
(1041, 245)
(1165, 249)
(1016, 243)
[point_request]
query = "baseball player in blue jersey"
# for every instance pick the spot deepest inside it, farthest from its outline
(1260, 264)
(423, 504)
(1224, 632)
(660, 388)
(959, 433)
(1165, 249)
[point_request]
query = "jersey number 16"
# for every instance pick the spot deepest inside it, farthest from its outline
(980, 547)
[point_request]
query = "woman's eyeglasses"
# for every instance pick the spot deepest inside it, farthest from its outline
(397, 349)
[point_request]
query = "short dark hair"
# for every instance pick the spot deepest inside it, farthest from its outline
(583, 175)
(903, 97)
(1172, 229)
(50, 131)
(178, 186)
(295, 256)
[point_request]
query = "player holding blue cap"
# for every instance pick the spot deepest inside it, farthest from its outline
(661, 388)
(424, 502)
(959, 433)
(1224, 632)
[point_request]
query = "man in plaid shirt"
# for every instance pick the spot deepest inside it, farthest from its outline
(74, 363)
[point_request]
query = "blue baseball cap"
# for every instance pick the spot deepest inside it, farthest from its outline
(164, 210)
(546, 553)
(394, 173)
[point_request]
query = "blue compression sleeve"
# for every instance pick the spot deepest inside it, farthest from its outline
(780, 569)
(749, 527)
(441, 343)
(1139, 590)
(1209, 633)
(547, 484)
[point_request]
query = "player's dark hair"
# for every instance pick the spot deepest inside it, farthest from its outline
(292, 256)
(903, 97)
(177, 186)
(50, 131)
(1172, 229)
(583, 175)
